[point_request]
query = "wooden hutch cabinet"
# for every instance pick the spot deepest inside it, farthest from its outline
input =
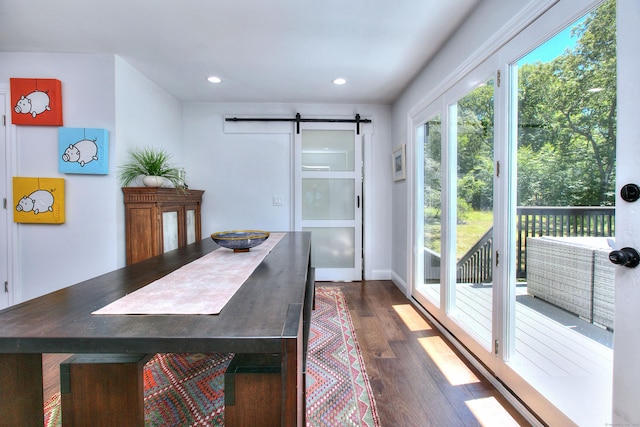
(158, 220)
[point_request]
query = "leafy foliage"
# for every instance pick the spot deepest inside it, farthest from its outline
(567, 120)
(475, 129)
(151, 162)
(566, 126)
(566, 136)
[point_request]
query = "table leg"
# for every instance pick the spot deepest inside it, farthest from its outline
(21, 401)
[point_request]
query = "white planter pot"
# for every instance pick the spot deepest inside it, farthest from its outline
(152, 181)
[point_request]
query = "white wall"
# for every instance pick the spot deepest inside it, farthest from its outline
(48, 257)
(241, 172)
(146, 115)
(103, 91)
(98, 91)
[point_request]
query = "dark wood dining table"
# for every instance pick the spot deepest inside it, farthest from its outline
(269, 315)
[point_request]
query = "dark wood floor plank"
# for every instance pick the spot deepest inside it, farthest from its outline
(372, 334)
(416, 389)
(51, 374)
(426, 382)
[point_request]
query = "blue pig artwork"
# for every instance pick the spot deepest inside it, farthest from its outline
(83, 150)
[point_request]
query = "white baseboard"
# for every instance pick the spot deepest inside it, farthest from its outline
(400, 283)
(380, 275)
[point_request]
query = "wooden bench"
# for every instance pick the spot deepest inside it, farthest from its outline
(253, 390)
(103, 390)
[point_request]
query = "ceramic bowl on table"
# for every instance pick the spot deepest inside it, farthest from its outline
(240, 240)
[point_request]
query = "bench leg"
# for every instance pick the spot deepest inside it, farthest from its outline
(253, 391)
(103, 390)
(21, 402)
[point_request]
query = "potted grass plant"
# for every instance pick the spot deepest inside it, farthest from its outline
(153, 165)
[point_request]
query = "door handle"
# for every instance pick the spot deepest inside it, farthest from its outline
(628, 257)
(358, 202)
(630, 193)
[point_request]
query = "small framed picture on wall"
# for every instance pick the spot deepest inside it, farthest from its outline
(398, 163)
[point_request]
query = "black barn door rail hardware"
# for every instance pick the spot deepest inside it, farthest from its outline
(298, 119)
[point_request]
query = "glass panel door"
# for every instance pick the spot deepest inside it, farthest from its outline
(429, 212)
(563, 132)
(328, 202)
(472, 137)
(528, 214)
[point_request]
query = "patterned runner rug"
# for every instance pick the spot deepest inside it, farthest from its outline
(187, 389)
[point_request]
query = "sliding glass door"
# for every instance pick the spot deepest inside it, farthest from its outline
(514, 213)
(429, 212)
(454, 149)
(471, 141)
(564, 143)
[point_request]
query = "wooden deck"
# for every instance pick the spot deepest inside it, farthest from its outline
(572, 370)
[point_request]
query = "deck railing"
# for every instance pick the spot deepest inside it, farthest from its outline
(532, 221)
(476, 265)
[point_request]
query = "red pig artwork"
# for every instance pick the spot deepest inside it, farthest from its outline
(36, 101)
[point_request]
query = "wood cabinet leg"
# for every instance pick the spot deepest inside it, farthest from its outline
(21, 402)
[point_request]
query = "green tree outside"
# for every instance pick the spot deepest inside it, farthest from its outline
(566, 132)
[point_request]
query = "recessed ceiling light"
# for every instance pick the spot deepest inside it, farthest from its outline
(339, 81)
(214, 79)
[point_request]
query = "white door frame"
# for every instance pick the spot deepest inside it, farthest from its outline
(626, 370)
(8, 256)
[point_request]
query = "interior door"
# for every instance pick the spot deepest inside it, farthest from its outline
(328, 198)
(4, 217)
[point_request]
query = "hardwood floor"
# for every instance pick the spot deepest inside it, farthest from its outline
(417, 377)
(51, 374)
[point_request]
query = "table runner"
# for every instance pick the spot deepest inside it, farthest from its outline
(203, 286)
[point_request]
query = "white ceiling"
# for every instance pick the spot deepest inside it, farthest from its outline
(264, 50)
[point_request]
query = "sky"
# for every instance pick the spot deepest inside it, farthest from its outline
(552, 48)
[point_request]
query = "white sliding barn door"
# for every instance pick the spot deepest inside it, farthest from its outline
(328, 194)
